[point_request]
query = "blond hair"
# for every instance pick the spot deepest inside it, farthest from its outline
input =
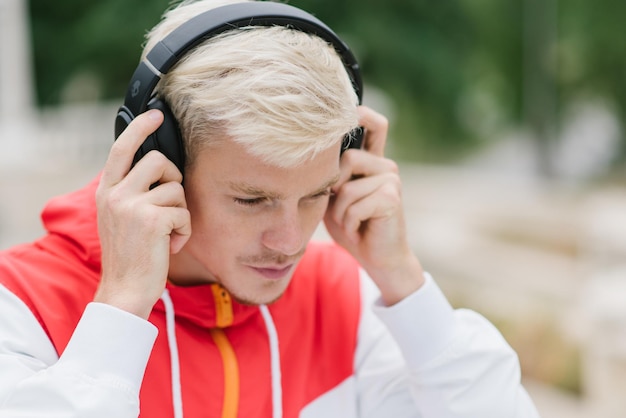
(282, 93)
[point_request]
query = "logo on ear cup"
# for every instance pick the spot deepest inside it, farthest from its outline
(135, 89)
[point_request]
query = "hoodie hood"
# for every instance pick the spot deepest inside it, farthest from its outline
(73, 218)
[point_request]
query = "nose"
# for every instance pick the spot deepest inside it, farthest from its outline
(285, 233)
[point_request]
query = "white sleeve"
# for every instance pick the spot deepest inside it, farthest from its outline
(98, 375)
(421, 358)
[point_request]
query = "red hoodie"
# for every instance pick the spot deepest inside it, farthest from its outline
(224, 348)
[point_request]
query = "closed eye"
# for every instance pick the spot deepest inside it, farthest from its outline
(249, 202)
(322, 193)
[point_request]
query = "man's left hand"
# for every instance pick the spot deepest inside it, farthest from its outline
(365, 215)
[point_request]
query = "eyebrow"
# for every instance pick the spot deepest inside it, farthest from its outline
(250, 190)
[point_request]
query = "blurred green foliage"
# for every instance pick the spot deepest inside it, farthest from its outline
(101, 39)
(458, 73)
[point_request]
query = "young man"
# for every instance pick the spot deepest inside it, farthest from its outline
(156, 297)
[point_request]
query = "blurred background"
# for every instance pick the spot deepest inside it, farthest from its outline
(507, 118)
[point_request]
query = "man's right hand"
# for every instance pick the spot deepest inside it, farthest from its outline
(139, 227)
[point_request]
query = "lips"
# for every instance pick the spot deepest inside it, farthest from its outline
(273, 273)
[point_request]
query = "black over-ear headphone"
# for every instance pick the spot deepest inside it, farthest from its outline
(140, 95)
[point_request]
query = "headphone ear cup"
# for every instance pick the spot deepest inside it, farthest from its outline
(353, 139)
(122, 120)
(167, 139)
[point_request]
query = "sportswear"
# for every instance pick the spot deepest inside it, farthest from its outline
(327, 348)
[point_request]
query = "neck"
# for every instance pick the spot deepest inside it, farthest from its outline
(186, 271)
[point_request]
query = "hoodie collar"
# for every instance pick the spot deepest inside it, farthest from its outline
(207, 305)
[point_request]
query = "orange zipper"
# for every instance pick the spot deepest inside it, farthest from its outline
(224, 312)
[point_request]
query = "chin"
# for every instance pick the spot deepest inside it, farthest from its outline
(265, 295)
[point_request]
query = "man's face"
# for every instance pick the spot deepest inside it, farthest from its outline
(251, 221)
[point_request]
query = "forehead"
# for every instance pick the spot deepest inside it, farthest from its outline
(229, 165)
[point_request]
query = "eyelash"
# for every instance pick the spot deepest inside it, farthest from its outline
(259, 200)
(323, 193)
(248, 202)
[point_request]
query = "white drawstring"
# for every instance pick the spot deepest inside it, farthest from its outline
(277, 393)
(177, 400)
(170, 324)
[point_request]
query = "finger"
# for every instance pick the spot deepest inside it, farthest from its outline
(364, 188)
(154, 167)
(376, 129)
(170, 194)
(124, 148)
(358, 164)
(383, 203)
(181, 228)
(352, 192)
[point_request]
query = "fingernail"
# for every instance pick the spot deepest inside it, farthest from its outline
(154, 114)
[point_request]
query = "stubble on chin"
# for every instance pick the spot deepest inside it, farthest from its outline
(260, 292)
(263, 297)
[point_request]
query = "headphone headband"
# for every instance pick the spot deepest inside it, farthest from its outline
(168, 51)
